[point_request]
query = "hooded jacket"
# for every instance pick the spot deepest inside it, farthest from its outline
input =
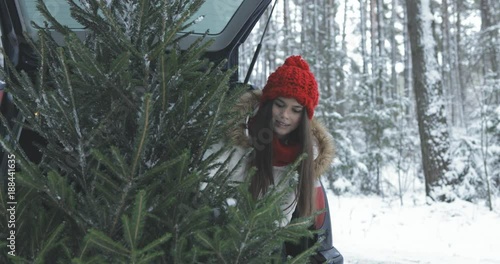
(323, 150)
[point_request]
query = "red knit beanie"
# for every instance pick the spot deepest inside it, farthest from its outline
(293, 79)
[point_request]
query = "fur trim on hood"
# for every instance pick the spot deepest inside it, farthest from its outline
(323, 141)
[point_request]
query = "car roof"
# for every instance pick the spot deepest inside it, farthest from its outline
(226, 22)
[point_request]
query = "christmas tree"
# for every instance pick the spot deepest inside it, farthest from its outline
(126, 119)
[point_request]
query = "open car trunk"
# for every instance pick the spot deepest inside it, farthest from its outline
(225, 22)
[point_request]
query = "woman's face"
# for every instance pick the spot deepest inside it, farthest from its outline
(287, 113)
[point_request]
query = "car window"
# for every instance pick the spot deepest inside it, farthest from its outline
(214, 15)
(224, 20)
(58, 8)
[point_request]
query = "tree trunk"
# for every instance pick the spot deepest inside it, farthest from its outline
(317, 42)
(445, 58)
(408, 65)
(381, 58)
(394, 52)
(458, 74)
(303, 38)
(339, 75)
(286, 28)
(364, 55)
(427, 86)
(450, 66)
(489, 38)
(373, 38)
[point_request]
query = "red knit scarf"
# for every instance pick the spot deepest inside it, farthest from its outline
(284, 154)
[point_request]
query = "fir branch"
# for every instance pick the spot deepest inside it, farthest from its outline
(79, 52)
(243, 243)
(6, 141)
(118, 30)
(176, 26)
(87, 17)
(144, 132)
(121, 205)
(155, 243)
(119, 65)
(102, 125)
(86, 244)
(215, 118)
(76, 120)
(150, 257)
(19, 84)
(108, 188)
(49, 244)
(193, 6)
(62, 111)
(43, 60)
(117, 166)
(127, 231)
(209, 243)
(101, 241)
(42, 8)
(140, 148)
(138, 214)
(64, 200)
(163, 167)
(144, 5)
(164, 82)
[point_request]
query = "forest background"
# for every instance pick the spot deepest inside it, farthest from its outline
(374, 92)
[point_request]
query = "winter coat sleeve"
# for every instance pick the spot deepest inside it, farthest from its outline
(288, 207)
(289, 202)
(233, 156)
(238, 164)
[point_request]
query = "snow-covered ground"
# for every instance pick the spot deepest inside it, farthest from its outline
(369, 230)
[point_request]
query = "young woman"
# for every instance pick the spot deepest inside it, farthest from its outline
(280, 127)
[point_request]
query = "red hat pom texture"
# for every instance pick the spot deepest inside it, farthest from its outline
(293, 79)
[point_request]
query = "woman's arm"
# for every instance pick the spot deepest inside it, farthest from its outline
(288, 207)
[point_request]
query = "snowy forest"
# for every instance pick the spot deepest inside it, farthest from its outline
(122, 119)
(408, 96)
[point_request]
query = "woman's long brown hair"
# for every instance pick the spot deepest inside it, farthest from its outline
(261, 133)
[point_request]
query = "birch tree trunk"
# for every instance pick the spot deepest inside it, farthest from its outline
(427, 86)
